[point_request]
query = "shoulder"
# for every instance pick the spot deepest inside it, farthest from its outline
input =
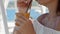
(40, 18)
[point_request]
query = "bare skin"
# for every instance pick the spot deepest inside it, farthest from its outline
(23, 24)
(50, 20)
(51, 17)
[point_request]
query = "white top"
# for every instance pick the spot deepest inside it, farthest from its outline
(40, 29)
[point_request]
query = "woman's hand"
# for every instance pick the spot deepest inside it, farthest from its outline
(23, 25)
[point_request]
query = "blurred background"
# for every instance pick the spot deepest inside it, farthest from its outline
(7, 24)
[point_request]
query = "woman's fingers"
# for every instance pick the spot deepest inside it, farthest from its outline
(24, 25)
(20, 20)
(18, 23)
(18, 30)
(20, 15)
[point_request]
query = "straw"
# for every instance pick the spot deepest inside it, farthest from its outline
(28, 6)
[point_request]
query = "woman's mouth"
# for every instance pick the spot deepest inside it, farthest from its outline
(22, 4)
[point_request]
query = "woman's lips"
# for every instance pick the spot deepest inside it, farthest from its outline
(22, 4)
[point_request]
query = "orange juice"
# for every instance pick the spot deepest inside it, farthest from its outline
(27, 15)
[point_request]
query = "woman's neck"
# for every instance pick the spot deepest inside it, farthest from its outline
(52, 8)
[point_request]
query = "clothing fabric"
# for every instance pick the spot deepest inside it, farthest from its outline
(41, 29)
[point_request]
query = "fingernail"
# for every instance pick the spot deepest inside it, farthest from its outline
(17, 27)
